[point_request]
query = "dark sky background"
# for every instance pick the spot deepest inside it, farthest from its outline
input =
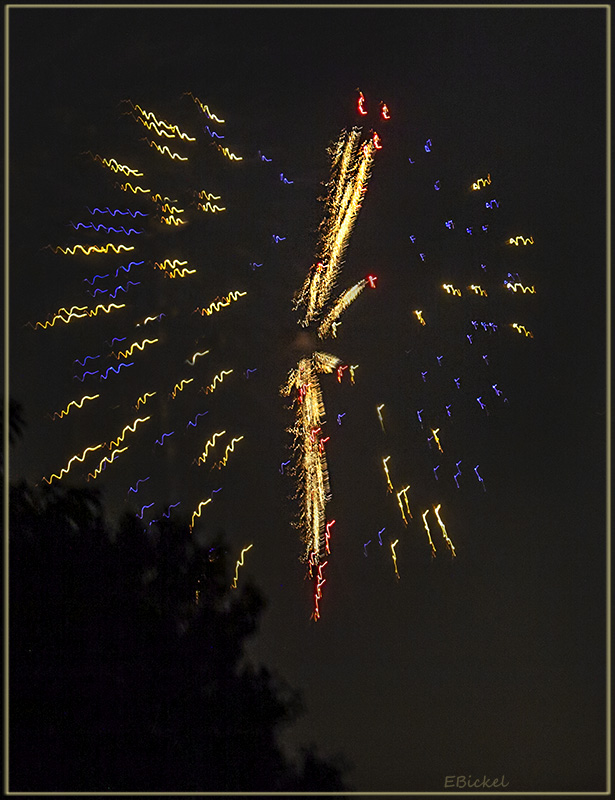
(493, 662)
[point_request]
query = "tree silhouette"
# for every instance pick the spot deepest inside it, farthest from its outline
(126, 669)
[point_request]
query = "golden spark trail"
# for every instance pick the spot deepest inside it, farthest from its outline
(399, 495)
(77, 403)
(226, 152)
(197, 513)
(125, 187)
(484, 181)
(164, 150)
(450, 289)
(114, 166)
(394, 555)
(522, 329)
(138, 345)
(379, 412)
(436, 440)
(477, 290)
(386, 472)
(127, 428)
(106, 460)
(93, 248)
(515, 240)
(223, 302)
(143, 399)
(419, 316)
(514, 286)
(342, 303)
(72, 460)
(239, 564)
(204, 108)
(441, 524)
(203, 457)
(433, 549)
(217, 379)
(179, 387)
(192, 360)
(230, 448)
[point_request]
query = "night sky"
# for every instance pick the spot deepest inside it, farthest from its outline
(490, 663)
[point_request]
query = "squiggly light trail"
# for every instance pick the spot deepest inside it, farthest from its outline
(480, 182)
(93, 248)
(208, 445)
(106, 460)
(522, 329)
(515, 240)
(240, 564)
(138, 345)
(217, 380)
(77, 403)
(66, 469)
(204, 108)
(230, 448)
(114, 166)
(222, 302)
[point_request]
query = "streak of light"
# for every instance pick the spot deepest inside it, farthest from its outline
(403, 492)
(226, 152)
(198, 511)
(240, 564)
(320, 582)
(515, 240)
(328, 534)
(217, 380)
(379, 412)
(164, 150)
(436, 440)
(433, 549)
(135, 488)
(522, 329)
(340, 417)
(479, 477)
(478, 290)
(77, 403)
(180, 386)
(230, 448)
(65, 469)
(208, 445)
(480, 182)
(113, 165)
(204, 108)
(193, 424)
(419, 315)
(163, 437)
(394, 556)
(106, 460)
(515, 286)
(128, 187)
(451, 289)
(444, 533)
(364, 548)
(93, 248)
(386, 472)
(127, 428)
(221, 302)
(143, 399)
(192, 360)
(138, 345)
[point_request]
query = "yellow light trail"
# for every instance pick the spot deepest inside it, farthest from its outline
(77, 403)
(515, 240)
(172, 220)
(204, 108)
(522, 329)
(87, 312)
(208, 445)
(239, 564)
(311, 467)
(164, 150)
(197, 513)
(386, 472)
(106, 460)
(146, 320)
(143, 399)
(72, 460)
(403, 492)
(341, 304)
(484, 181)
(514, 286)
(379, 412)
(393, 545)
(180, 386)
(210, 207)
(217, 380)
(230, 448)
(127, 428)
(444, 533)
(205, 195)
(222, 302)
(352, 369)
(125, 187)
(138, 345)
(192, 360)
(226, 152)
(161, 126)
(171, 209)
(436, 440)
(419, 316)
(451, 289)
(433, 549)
(351, 164)
(477, 290)
(93, 248)
(114, 166)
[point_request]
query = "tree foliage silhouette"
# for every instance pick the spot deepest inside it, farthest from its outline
(126, 669)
